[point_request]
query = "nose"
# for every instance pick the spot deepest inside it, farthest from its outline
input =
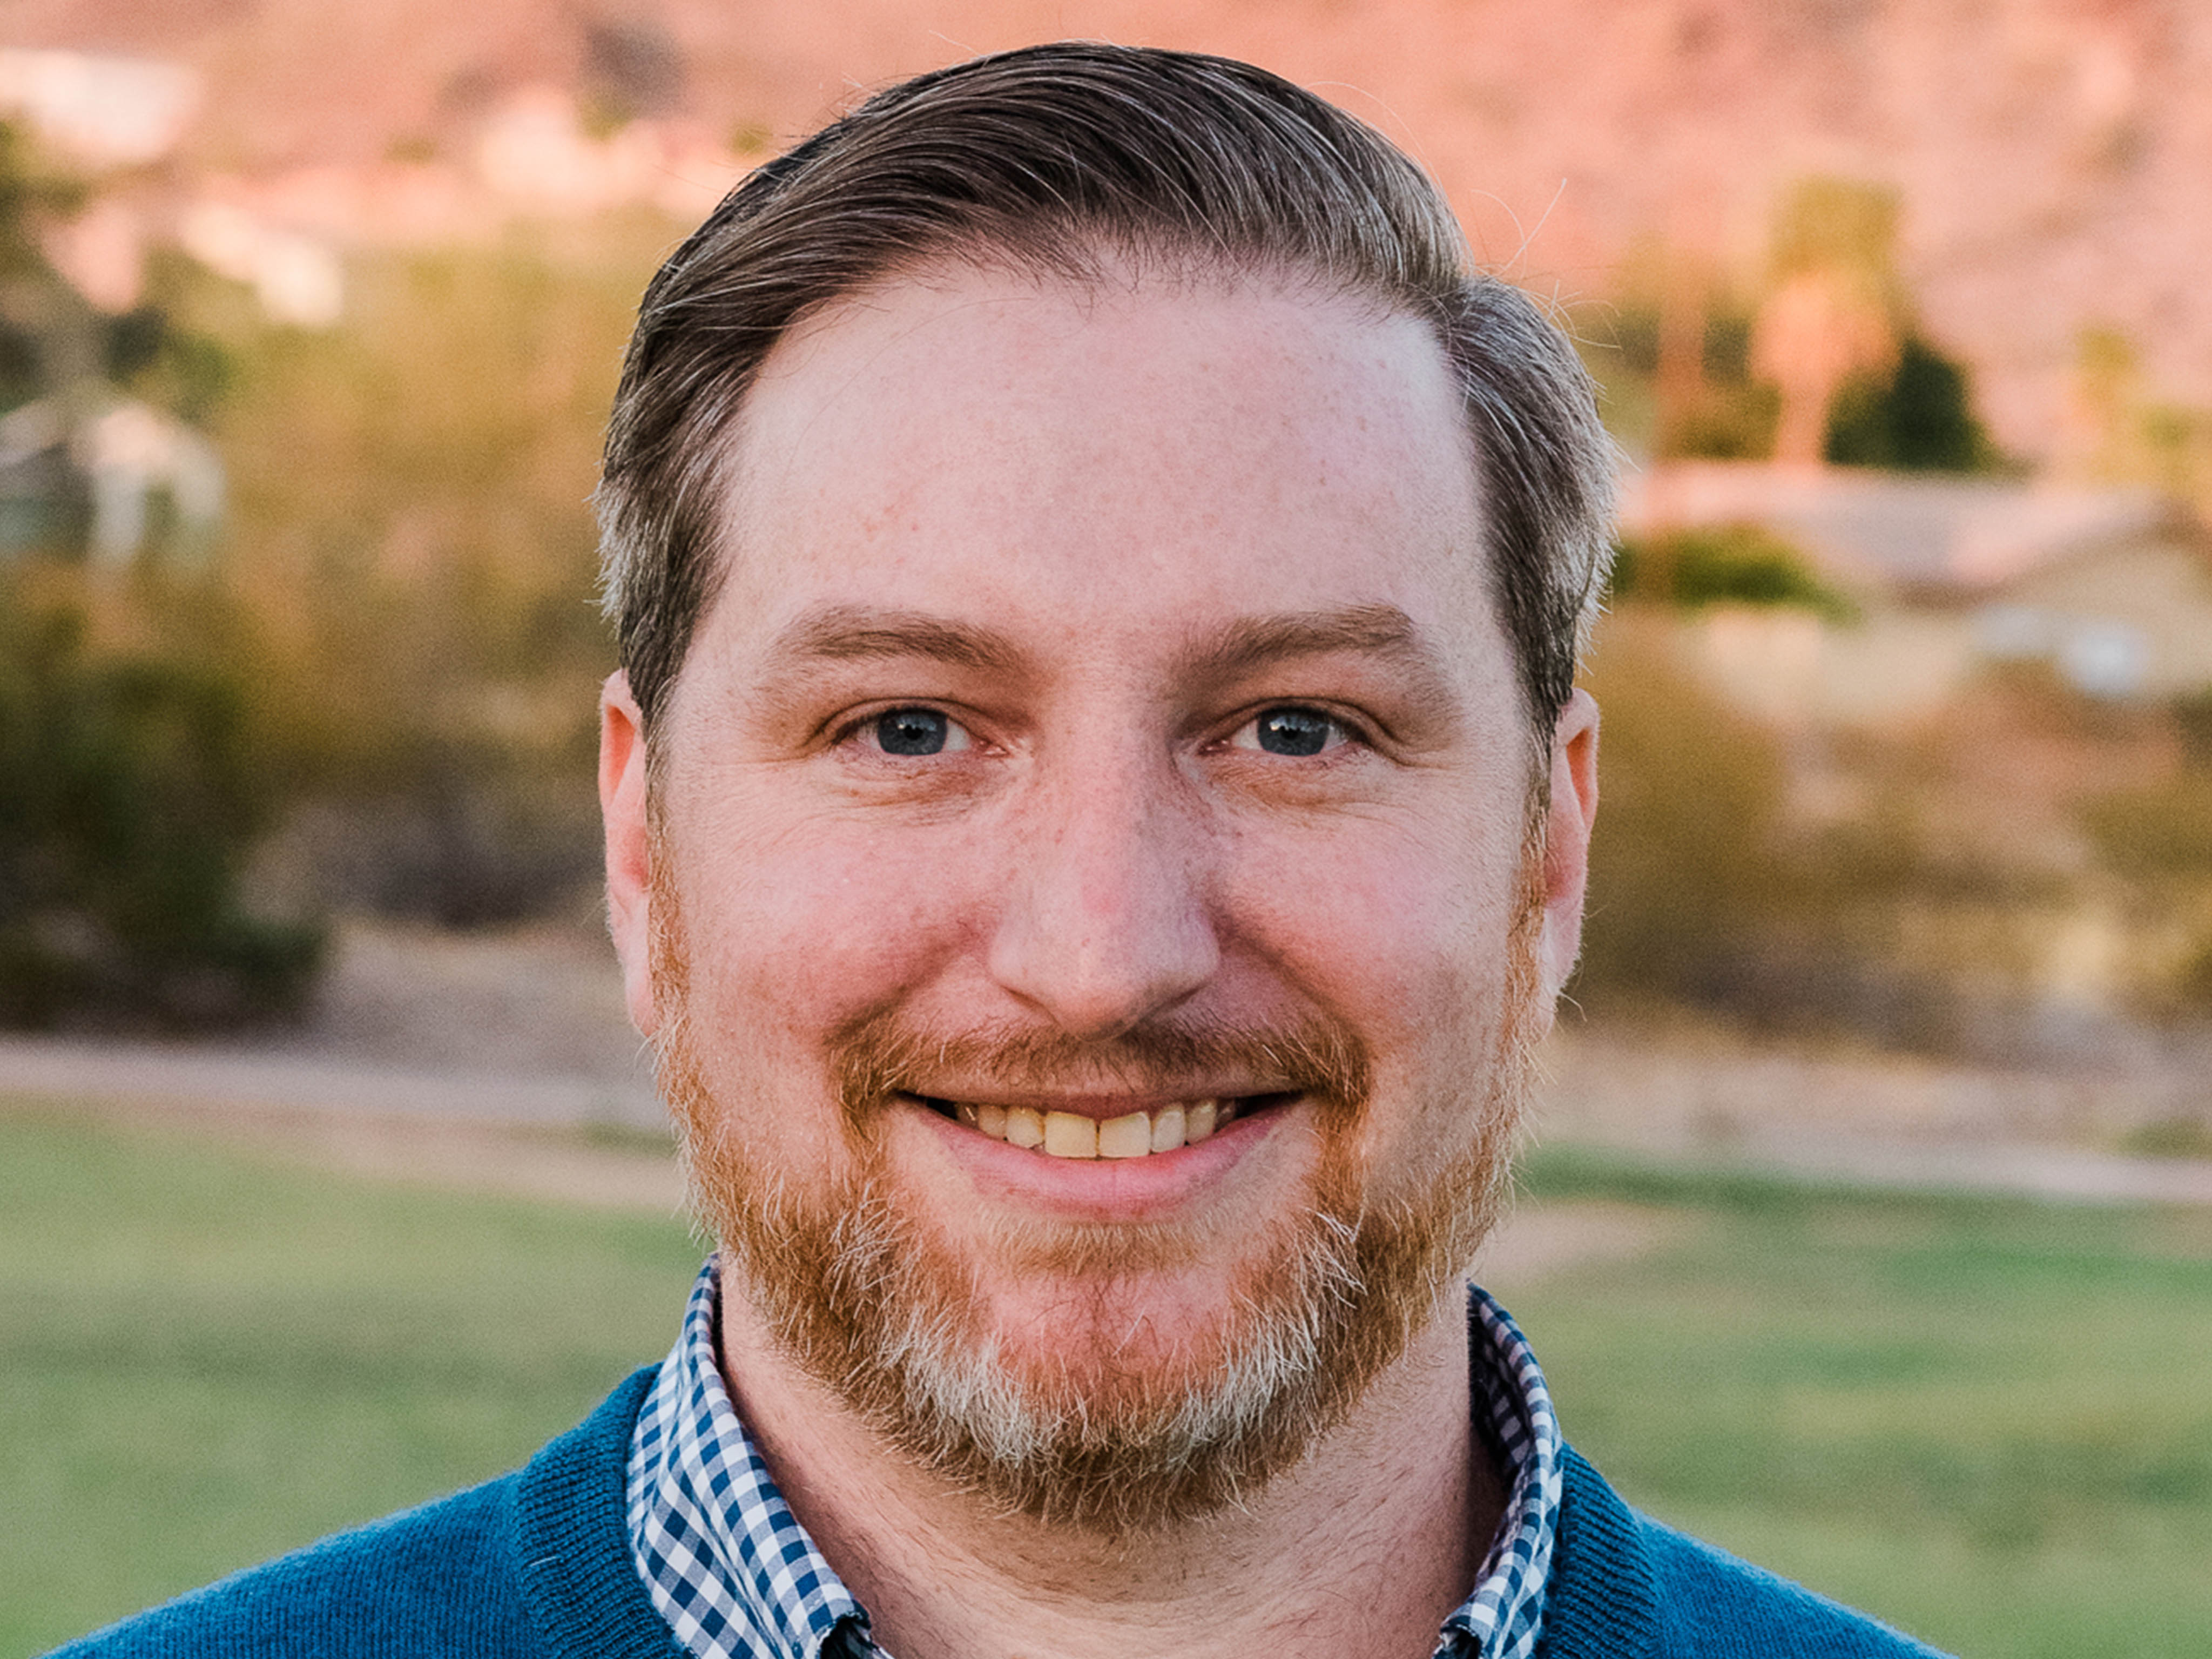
(1105, 919)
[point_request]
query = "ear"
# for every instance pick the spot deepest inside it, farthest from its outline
(628, 844)
(1566, 842)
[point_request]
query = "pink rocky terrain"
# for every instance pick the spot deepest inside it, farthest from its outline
(2054, 156)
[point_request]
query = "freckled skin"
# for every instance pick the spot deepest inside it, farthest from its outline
(1102, 486)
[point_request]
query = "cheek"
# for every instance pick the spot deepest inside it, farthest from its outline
(794, 928)
(1402, 923)
(1409, 940)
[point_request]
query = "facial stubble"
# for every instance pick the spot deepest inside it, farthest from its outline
(861, 1294)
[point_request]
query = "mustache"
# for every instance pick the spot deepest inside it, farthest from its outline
(879, 1054)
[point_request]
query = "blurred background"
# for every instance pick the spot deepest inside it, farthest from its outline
(1869, 1229)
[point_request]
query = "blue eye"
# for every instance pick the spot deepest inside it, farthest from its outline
(1292, 731)
(917, 732)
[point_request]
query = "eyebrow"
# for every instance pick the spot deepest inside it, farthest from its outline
(1372, 631)
(848, 633)
(851, 633)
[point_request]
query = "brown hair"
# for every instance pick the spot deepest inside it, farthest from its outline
(1052, 156)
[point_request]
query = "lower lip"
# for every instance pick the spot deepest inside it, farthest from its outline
(1118, 1188)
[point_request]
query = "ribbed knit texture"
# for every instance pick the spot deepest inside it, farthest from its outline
(538, 1564)
(1604, 1602)
(578, 1578)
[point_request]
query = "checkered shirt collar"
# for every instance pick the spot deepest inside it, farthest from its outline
(736, 1577)
(725, 1560)
(1513, 1414)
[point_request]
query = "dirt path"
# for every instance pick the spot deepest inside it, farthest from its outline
(1882, 1119)
(523, 1027)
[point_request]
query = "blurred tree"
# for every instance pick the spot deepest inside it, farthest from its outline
(1831, 309)
(1844, 227)
(45, 328)
(1917, 417)
(132, 787)
(1858, 384)
(1674, 358)
(129, 797)
(2123, 434)
(49, 354)
(411, 526)
(68, 371)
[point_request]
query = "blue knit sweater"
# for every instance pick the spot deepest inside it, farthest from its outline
(537, 1562)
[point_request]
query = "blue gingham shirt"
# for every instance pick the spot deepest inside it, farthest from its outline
(737, 1577)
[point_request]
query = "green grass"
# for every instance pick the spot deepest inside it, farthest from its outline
(1988, 1421)
(206, 1358)
(1991, 1422)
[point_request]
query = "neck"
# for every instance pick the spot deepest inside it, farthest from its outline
(1366, 1546)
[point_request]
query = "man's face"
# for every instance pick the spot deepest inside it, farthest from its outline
(1103, 725)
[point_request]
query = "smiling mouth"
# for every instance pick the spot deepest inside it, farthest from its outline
(1133, 1135)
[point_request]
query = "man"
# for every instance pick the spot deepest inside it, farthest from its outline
(1095, 816)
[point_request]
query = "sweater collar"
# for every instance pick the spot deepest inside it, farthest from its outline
(578, 1581)
(1604, 1601)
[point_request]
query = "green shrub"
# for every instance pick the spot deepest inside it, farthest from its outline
(129, 797)
(1686, 865)
(1727, 421)
(1706, 888)
(1732, 564)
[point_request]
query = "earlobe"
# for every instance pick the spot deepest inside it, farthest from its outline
(1567, 841)
(623, 813)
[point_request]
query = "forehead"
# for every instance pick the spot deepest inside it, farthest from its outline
(1104, 457)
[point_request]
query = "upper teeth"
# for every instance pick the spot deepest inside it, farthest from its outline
(1069, 1135)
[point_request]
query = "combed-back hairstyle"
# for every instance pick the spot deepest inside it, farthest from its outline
(1056, 157)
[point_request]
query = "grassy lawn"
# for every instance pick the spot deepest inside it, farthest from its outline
(206, 1358)
(1991, 1422)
